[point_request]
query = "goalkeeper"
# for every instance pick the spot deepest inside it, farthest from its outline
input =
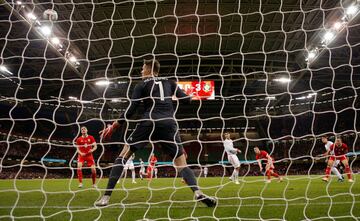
(157, 125)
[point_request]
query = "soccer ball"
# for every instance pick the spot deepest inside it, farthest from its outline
(50, 14)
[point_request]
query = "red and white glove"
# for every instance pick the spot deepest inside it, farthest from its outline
(107, 132)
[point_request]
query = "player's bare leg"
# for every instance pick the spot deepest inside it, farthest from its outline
(93, 175)
(115, 174)
(79, 174)
(133, 175)
(328, 170)
(190, 179)
(235, 175)
(348, 170)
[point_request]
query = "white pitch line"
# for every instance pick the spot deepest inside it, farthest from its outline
(161, 207)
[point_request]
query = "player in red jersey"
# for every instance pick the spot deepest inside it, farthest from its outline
(150, 168)
(269, 169)
(86, 145)
(340, 150)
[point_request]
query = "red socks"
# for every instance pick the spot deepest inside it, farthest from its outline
(348, 172)
(327, 172)
(80, 175)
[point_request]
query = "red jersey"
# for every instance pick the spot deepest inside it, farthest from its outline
(262, 155)
(338, 151)
(85, 143)
(153, 161)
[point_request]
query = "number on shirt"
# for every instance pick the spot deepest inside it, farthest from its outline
(161, 90)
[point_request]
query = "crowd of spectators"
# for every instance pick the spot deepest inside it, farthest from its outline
(291, 156)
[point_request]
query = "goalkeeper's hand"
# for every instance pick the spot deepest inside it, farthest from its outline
(107, 132)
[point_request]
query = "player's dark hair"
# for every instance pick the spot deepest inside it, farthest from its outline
(154, 65)
(339, 138)
(325, 136)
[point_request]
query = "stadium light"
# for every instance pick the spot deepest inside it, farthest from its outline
(338, 25)
(328, 37)
(31, 16)
(311, 95)
(283, 80)
(18, 2)
(84, 102)
(72, 59)
(351, 10)
(311, 55)
(300, 98)
(103, 83)
(270, 98)
(72, 98)
(115, 100)
(45, 30)
(55, 41)
(3, 68)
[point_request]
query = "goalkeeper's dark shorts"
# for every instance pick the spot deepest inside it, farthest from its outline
(163, 132)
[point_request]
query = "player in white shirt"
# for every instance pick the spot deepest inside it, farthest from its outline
(142, 169)
(233, 159)
(155, 172)
(206, 170)
(130, 166)
(334, 169)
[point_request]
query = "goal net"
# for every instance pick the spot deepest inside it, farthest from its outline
(278, 75)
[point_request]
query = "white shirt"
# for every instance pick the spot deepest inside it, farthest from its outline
(229, 147)
(142, 165)
(205, 170)
(130, 160)
(328, 145)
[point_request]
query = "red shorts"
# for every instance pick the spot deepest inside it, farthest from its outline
(89, 160)
(341, 158)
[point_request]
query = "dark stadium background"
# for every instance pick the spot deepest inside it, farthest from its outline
(243, 60)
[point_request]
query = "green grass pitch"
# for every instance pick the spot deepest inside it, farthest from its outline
(297, 198)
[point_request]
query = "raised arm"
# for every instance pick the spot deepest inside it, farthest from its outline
(134, 103)
(259, 163)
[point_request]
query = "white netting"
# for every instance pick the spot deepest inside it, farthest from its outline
(275, 74)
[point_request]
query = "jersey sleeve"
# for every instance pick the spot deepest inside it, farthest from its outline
(346, 148)
(92, 140)
(134, 103)
(332, 147)
(78, 141)
(180, 94)
(264, 154)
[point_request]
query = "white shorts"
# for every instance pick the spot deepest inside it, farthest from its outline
(142, 170)
(129, 166)
(234, 160)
